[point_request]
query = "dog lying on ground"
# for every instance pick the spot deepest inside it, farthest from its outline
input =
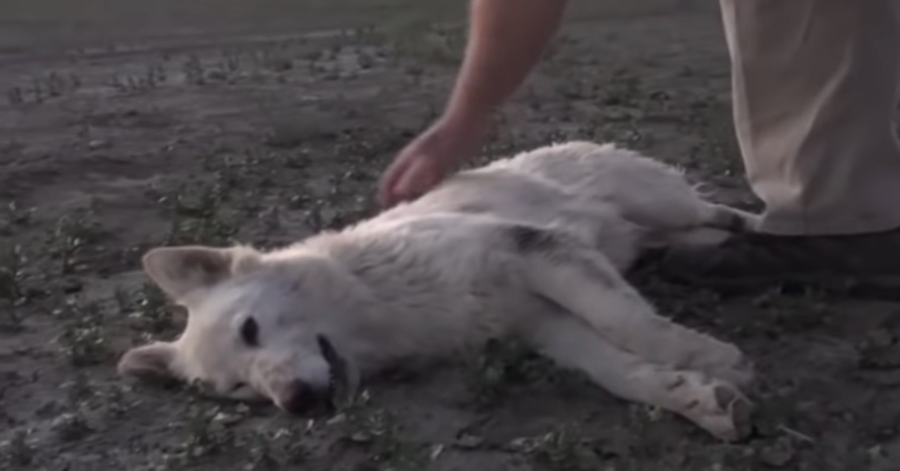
(530, 247)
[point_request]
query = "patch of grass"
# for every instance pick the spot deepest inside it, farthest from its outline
(423, 41)
(83, 340)
(42, 87)
(148, 309)
(78, 390)
(271, 219)
(274, 450)
(624, 88)
(504, 364)
(380, 433)
(15, 96)
(562, 449)
(197, 216)
(194, 70)
(17, 452)
(12, 258)
(717, 152)
(12, 274)
(641, 416)
(71, 426)
(115, 400)
(152, 77)
(576, 89)
(799, 313)
(230, 62)
(71, 235)
(204, 436)
(275, 57)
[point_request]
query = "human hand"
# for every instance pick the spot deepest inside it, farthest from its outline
(427, 160)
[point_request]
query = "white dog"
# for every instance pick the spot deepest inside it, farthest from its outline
(530, 247)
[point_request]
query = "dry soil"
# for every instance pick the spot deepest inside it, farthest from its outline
(132, 124)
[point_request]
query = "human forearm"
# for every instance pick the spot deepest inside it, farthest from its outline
(506, 40)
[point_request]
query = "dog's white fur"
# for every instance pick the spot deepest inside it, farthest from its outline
(530, 247)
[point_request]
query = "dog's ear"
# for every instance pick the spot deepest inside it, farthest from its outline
(151, 362)
(180, 270)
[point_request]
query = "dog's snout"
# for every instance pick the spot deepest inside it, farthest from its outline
(298, 398)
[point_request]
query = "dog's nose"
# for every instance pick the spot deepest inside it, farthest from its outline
(298, 398)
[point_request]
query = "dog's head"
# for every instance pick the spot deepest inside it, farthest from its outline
(255, 327)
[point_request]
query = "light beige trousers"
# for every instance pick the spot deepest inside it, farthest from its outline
(814, 89)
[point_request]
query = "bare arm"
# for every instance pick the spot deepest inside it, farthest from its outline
(506, 41)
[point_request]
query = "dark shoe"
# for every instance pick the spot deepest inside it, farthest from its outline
(865, 263)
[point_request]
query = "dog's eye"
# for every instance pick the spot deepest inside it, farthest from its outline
(237, 386)
(250, 332)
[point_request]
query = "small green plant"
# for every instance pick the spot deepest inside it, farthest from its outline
(71, 235)
(123, 299)
(717, 152)
(275, 450)
(78, 390)
(427, 42)
(379, 431)
(14, 217)
(71, 427)
(149, 310)
(56, 85)
(15, 96)
(42, 87)
(271, 219)
(194, 71)
(83, 339)
(37, 90)
(562, 449)
(503, 364)
(152, 77)
(197, 217)
(275, 58)
(19, 453)
(12, 274)
(204, 436)
(231, 62)
(623, 89)
(115, 400)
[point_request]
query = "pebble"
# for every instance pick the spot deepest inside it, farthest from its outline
(98, 144)
(72, 285)
(469, 442)
(361, 438)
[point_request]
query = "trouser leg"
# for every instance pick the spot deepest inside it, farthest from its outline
(814, 87)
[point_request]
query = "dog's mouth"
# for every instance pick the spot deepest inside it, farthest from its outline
(301, 398)
(343, 381)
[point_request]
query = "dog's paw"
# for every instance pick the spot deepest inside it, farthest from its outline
(722, 410)
(719, 360)
(727, 363)
(740, 373)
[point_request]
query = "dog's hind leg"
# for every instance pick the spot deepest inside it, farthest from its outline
(727, 218)
(585, 283)
(716, 224)
(712, 403)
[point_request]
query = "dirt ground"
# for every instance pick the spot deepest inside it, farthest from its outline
(128, 125)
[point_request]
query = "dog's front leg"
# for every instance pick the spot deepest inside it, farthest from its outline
(586, 284)
(712, 403)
